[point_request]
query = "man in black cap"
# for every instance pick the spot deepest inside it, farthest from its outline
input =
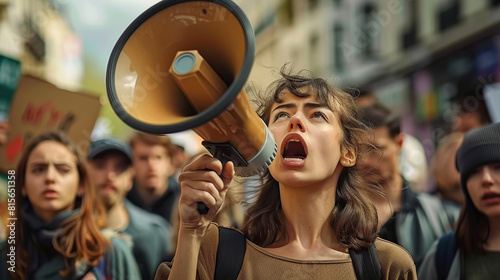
(110, 168)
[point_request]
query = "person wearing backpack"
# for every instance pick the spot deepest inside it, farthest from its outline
(313, 214)
(473, 250)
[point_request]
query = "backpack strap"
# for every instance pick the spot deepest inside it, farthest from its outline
(366, 263)
(230, 253)
(446, 250)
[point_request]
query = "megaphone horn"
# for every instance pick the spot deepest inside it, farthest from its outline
(182, 65)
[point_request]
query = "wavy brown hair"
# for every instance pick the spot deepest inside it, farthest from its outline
(80, 238)
(473, 229)
(354, 218)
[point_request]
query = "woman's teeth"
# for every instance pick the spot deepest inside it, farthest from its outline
(294, 159)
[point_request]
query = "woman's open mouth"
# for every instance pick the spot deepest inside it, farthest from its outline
(293, 149)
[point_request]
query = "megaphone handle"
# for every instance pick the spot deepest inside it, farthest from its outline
(201, 207)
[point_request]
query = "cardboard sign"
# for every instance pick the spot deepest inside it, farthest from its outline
(39, 106)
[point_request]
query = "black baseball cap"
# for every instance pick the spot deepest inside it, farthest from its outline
(109, 144)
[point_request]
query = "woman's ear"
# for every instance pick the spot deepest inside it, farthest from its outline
(348, 158)
(24, 192)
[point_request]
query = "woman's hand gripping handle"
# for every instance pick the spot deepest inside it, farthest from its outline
(206, 181)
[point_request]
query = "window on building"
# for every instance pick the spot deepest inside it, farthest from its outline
(314, 54)
(409, 37)
(448, 14)
(287, 13)
(312, 4)
(338, 56)
(368, 33)
(34, 42)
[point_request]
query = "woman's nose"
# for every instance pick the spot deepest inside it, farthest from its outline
(296, 123)
(486, 178)
(50, 176)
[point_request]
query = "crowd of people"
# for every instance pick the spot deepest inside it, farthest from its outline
(335, 195)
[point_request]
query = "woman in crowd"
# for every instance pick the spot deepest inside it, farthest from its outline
(58, 228)
(313, 207)
(473, 251)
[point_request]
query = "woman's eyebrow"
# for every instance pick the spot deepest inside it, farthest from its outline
(307, 105)
(316, 105)
(38, 164)
(285, 106)
(63, 164)
(46, 164)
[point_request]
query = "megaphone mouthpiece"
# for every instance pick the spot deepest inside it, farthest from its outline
(223, 135)
(184, 63)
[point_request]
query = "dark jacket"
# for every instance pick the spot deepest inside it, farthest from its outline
(46, 263)
(118, 264)
(151, 237)
(423, 218)
(164, 206)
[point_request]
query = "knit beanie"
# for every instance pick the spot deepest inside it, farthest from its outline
(480, 146)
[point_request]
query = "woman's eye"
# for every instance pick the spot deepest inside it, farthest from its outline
(319, 115)
(64, 170)
(496, 167)
(476, 171)
(37, 170)
(280, 115)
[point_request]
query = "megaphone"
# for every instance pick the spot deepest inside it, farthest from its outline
(182, 65)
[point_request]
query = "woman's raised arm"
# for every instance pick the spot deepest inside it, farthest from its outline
(204, 180)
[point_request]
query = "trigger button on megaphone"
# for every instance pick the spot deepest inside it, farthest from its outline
(184, 63)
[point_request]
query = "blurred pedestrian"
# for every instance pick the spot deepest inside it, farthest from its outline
(444, 171)
(110, 168)
(473, 250)
(416, 219)
(58, 227)
(412, 157)
(470, 110)
(313, 208)
(185, 145)
(154, 189)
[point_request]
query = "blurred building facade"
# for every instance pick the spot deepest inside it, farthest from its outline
(34, 33)
(417, 56)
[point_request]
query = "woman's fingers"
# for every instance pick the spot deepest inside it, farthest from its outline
(204, 162)
(204, 180)
(204, 189)
(228, 173)
(193, 196)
